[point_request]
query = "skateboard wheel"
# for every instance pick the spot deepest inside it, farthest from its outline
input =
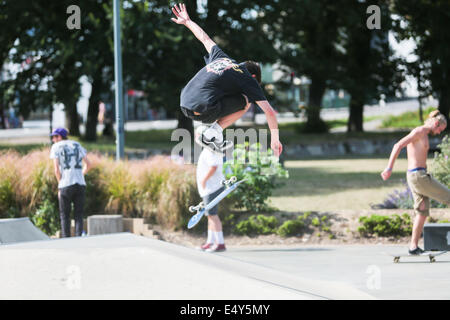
(233, 179)
(191, 209)
(432, 259)
(396, 260)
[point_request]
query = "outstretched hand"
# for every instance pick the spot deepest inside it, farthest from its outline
(181, 13)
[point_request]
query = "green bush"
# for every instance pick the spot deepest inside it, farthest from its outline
(47, 218)
(291, 228)
(440, 166)
(256, 225)
(260, 168)
(9, 207)
(385, 226)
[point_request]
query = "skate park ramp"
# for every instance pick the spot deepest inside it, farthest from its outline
(127, 266)
(19, 230)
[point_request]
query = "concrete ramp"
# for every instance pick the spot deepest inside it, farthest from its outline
(19, 230)
(126, 266)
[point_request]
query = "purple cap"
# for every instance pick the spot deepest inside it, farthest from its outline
(60, 132)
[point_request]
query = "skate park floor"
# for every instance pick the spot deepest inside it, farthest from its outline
(127, 266)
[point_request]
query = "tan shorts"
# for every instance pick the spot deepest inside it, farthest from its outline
(423, 187)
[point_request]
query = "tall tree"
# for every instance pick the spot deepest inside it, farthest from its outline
(307, 34)
(428, 22)
(367, 67)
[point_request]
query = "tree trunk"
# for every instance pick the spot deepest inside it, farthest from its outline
(2, 115)
(314, 123)
(444, 105)
(185, 123)
(92, 118)
(355, 119)
(72, 118)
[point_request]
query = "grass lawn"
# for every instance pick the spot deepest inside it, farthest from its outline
(337, 184)
(407, 120)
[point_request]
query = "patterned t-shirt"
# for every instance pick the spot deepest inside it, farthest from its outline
(70, 155)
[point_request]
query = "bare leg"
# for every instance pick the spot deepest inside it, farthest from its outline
(216, 223)
(419, 221)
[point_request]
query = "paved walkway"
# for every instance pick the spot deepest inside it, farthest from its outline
(366, 268)
(125, 266)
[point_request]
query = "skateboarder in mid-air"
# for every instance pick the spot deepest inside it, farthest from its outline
(222, 91)
(422, 185)
(209, 182)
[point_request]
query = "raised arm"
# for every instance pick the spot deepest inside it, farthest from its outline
(183, 18)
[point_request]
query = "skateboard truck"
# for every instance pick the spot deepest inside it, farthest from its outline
(229, 182)
(196, 208)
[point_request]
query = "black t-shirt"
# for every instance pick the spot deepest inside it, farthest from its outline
(219, 78)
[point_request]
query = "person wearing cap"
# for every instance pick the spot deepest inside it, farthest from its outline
(68, 156)
(423, 186)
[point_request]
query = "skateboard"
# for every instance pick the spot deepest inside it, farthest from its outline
(430, 254)
(230, 185)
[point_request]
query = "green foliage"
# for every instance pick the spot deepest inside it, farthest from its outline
(291, 228)
(410, 119)
(260, 168)
(440, 167)
(423, 22)
(256, 225)
(9, 207)
(47, 218)
(315, 222)
(385, 226)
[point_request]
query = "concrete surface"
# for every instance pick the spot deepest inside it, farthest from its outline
(126, 266)
(368, 268)
(104, 224)
(19, 230)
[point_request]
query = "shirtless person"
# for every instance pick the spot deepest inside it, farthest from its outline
(422, 185)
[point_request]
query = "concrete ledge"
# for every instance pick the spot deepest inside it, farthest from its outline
(104, 224)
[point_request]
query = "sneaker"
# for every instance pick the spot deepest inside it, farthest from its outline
(213, 144)
(417, 251)
(206, 246)
(217, 248)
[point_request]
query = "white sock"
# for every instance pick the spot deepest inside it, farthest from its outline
(210, 237)
(214, 131)
(219, 237)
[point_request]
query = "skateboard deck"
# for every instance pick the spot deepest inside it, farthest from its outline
(430, 254)
(230, 185)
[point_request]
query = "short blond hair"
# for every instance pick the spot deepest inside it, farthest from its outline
(438, 116)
